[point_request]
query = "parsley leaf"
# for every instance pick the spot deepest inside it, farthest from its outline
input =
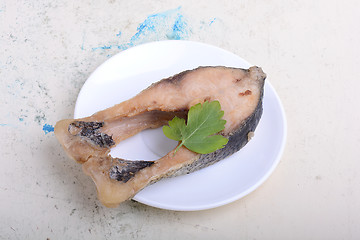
(198, 134)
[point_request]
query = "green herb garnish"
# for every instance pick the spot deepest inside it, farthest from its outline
(198, 134)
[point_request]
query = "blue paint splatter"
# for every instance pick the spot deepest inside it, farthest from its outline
(47, 128)
(212, 21)
(21, 119)
(179, 29)
(103, 47)
(168, 25)
(83, 41)
(8, 125)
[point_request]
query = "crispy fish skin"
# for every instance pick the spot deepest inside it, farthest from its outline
(88, 140)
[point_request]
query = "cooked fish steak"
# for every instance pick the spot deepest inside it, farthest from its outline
(89, 140)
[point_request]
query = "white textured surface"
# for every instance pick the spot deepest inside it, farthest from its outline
(310, 51)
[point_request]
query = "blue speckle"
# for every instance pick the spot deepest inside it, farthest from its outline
(125, 46)
(21, 119)
(119, 34)
(179, 29)
(47, 128)
(212, 21)
(83, 41)
(147, 27)
(103, 47)
(8, 125)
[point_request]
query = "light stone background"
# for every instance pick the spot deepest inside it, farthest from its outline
(310, 51)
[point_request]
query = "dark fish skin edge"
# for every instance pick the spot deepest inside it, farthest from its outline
(91, 132)
(237, 140)
(127, 169)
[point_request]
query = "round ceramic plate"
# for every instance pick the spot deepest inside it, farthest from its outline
(127, 73)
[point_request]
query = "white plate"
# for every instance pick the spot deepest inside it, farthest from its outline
(127, 73)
